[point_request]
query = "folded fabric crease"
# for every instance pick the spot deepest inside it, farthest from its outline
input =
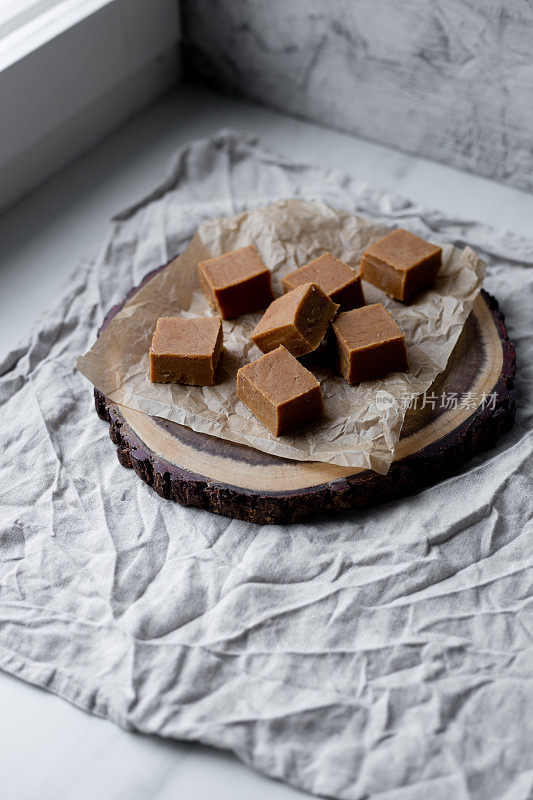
(381, 654)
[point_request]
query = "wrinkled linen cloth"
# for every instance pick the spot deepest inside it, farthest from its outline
(381, 654)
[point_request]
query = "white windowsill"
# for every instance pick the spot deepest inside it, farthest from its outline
(71, 74)
(26, 31)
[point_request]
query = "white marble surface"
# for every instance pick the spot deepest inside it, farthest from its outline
(49, 749)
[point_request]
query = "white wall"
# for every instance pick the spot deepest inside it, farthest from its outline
(451, 80)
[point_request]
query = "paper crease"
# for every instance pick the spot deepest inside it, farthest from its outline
(385, 654)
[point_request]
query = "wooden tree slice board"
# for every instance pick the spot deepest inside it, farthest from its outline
(237, 481)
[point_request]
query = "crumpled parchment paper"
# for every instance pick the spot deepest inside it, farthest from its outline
(384, 654)
(356, 431)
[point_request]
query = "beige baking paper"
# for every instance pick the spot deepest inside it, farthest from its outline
(362, 423)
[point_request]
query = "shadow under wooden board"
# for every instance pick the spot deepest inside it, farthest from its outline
(195, 469)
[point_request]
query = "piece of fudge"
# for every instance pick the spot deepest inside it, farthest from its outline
(369, 344)
(298, 320)
(401, 264)
(236, 283)
(186, 350)
(281, 393)
(340, 282)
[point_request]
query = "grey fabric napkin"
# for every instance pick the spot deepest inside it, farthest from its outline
(385, 654)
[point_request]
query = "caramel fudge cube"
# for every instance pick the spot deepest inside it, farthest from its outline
(369, 343)
(401, 264)
(186, 350)
(340, 282)
(298, 320)
(236, 283)
(281, 393)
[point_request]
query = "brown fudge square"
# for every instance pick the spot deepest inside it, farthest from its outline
(186, 350)
(340, 282)
(369, 343)
(298, 320)
(401, 264)
(236, 283)
(281, 393)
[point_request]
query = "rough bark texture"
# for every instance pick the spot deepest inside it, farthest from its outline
(431, 464)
